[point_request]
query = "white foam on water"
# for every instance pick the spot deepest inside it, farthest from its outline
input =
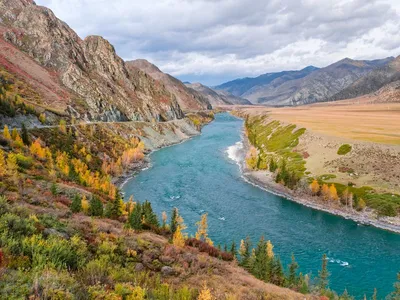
(234, 152)
(338, 261)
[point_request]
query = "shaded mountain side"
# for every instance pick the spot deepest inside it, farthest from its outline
(187, 98)
(243, 86)
(372, 82)
(82, 78)
(317, 86)
(218, 97)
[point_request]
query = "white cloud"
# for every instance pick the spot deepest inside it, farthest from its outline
(216, 40)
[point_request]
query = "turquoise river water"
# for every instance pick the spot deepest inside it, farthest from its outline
(201, 175)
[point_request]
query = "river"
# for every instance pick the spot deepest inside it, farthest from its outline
(201, 176)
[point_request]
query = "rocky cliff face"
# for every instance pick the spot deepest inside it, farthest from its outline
(98, 84)
(217, 97)
(187, 98)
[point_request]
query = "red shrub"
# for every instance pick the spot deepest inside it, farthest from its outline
(210, 250)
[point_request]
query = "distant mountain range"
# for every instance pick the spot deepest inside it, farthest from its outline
(218, 97)
(344, 79)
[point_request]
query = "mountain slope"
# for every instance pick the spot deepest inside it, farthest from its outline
(241, 87)
(187, 98)
(218, 97)
(316, 86)
(372, 82)
(89, 80)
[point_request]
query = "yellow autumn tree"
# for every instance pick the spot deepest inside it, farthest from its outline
(85, 205)
(325, 191)
(18, 142)
(178, 240)
(202, 230)
(333, 195)
(205, 294)
(14, 134)
(62, 161)
(252, 158)
(270, 250)
(63, 126)
(42, 118)
(361, 204)
(2, 164)
(315, 187)
(12, 167)
(37, 150)
(6, 133)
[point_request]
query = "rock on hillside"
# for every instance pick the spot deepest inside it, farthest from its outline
(187, 98)
(95, 81)
(217, 97)
(373, 81)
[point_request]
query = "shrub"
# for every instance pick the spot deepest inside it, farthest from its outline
(344, 149)
(24, 161)
(210, 250)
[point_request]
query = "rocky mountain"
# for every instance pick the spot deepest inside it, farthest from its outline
(373, 81)
(187, 98)
(81, 78)
(243, 86)
(218, 97)
(316, 86)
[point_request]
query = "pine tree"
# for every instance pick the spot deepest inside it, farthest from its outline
(14, 134)
(395, 295)
(6, 133)
(345, 296)
(178, 239)
(12, 167)
(270, 251)
(164, 219)
(293, 266)
(375, 295)
(54, 189)
(202, 230)
(277, 277)
(244, 251)
(115, 207)
(323, 274)
(85, 205)
(2, 163)
(304, 284)
(174, 220)
(259, 269)
(149, 216)
(96, 207)
(25, 135)
(233, 249)
(135, 217)
(76, 205)
(205, 294)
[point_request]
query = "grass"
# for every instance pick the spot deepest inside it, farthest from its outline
(344, 149)
(276, 141)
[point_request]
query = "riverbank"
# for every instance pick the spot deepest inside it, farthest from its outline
(264, 180)
(161, 135)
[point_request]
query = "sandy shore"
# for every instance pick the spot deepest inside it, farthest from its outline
(265, 181)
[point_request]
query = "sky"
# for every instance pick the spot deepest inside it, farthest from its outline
(214, 41)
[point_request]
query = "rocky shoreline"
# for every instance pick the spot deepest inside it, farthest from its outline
(265, 181)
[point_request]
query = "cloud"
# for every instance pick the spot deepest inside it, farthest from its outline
(217, 40)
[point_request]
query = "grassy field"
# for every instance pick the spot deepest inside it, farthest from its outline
(365, 122)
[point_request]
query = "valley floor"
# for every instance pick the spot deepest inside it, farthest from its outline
(369, 164)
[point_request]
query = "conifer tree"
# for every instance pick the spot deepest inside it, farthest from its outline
(6, 133)
(96, 207)
(2, 163)
(205, 294)
(233, 249)
(292, 278)
(115, 207)
(54, 189)
(135, 217)
(202, 230)
(149, 216)
(12, 167)
(259, 269)
(395, 295)
(270, 251)
(375, 295)
(25, 135)
(76, 205)
(178, 239)
(174, 220)
(304, 284)
(85, 205)
(14, 134)
(164, 219)
(323, 274)
(244, 251)
(277, 277)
